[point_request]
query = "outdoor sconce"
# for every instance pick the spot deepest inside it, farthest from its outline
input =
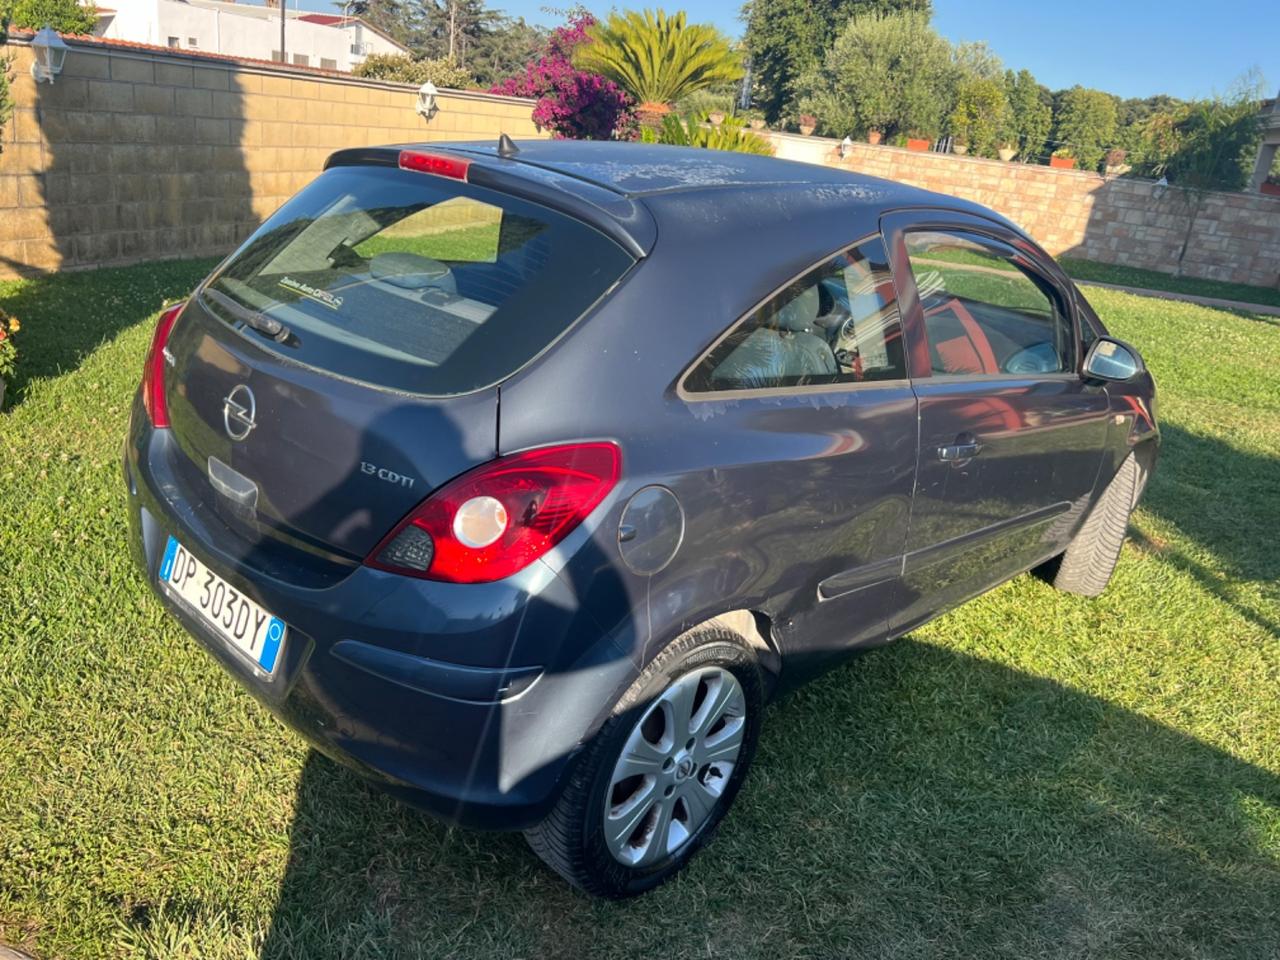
(427, 100)
(50, 51)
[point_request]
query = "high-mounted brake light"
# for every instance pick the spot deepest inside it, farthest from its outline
(437, 163)
(153, 369)
(498, 518)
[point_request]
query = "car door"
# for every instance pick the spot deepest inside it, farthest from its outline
(1011, 434)
(815, 444)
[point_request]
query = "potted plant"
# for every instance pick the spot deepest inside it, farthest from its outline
(1006, 151)
(1115, 164)
(1063, 158)
(808, 123)
(874, 136)
(959, 145)
(918, 143)
(8, 351)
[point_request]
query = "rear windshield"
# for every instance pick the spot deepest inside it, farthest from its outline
(413, 282)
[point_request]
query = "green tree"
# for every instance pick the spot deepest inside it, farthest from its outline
(980, 117)
(1086, 125)
(395, 18)
(504, 49)
(888, 73)
(65, 16)
(1030, 117)
(786, 40)
(658, 58)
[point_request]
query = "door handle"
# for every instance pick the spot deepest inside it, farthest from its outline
(960, 451)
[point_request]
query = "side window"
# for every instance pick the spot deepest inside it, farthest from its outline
(836, 324)
(983, 314)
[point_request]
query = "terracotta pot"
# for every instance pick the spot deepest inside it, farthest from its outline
(716, 117)
(757, 124)
(1063, 163)
(651, 114)
(960, 148)
(918, 144)
(1271, 189)
(1006, 153)
(874, 137)
(807, 129)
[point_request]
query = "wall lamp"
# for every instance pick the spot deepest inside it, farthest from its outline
(50, 52)
(427, 106)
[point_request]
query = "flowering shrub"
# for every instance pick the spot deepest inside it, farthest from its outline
(572, 103)
(8, 351)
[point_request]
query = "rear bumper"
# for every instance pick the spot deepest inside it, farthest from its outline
(468, 701)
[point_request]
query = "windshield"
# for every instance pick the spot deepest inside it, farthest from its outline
(413, 282)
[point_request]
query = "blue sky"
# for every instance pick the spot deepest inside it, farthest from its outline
(1128, 47)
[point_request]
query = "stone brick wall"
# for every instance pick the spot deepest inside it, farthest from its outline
(1232, 236)
(138, 154)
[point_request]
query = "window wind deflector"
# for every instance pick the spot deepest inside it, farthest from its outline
(268, 326)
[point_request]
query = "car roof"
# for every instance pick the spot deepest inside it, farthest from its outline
(643, 169)
(633, 190)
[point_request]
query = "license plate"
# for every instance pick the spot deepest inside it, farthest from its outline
(235, 618)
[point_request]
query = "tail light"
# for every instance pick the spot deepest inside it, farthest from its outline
(498, 518)
(153, 369)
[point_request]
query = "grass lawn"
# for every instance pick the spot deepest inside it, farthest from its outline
(1034, 775)
(1086, 270)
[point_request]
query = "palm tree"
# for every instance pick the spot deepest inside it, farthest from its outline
(656, 58)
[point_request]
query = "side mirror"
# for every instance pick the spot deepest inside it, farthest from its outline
(1112, 360)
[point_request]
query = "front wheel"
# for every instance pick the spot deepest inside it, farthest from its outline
(663, 770)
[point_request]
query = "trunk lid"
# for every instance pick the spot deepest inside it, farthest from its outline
(344, 361)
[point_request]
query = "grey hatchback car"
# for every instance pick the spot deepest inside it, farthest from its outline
(519, 477)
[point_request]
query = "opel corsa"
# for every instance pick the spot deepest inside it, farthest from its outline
(519, 477)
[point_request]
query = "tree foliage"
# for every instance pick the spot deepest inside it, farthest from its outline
(1205, 145)
(695, 131)
(980, 117)
(65, 16)
(786, 41)
(1030, 117)
(572, 103)
(405, 69)
(890, 73)
(1086, 125)
(658, 58)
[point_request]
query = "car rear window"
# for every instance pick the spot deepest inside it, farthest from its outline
(414, 282)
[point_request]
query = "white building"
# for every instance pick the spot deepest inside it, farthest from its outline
(245, 30)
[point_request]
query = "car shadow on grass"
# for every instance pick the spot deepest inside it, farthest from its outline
(65, 317)
(914, 803)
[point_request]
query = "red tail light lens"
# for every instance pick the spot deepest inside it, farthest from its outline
(498, 518)
(153, 369)
(455, 168)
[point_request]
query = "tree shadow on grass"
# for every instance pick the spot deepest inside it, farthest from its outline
(916, 803)
(65, 317)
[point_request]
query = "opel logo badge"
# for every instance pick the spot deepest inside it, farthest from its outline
(238, 412)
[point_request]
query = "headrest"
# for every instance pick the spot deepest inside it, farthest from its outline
(410, 271)
(799, 314)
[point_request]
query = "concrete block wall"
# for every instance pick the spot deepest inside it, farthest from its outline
(1230, 236)
(139, 154)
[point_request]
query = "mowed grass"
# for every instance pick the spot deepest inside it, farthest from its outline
(1034, 775)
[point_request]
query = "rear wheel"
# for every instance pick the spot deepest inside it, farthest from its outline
(661, 773)
(1085, 567)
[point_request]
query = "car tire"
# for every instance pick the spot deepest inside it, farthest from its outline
(1086, 566)
(713, 662)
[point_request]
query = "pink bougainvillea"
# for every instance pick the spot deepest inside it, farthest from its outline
(572, 104)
